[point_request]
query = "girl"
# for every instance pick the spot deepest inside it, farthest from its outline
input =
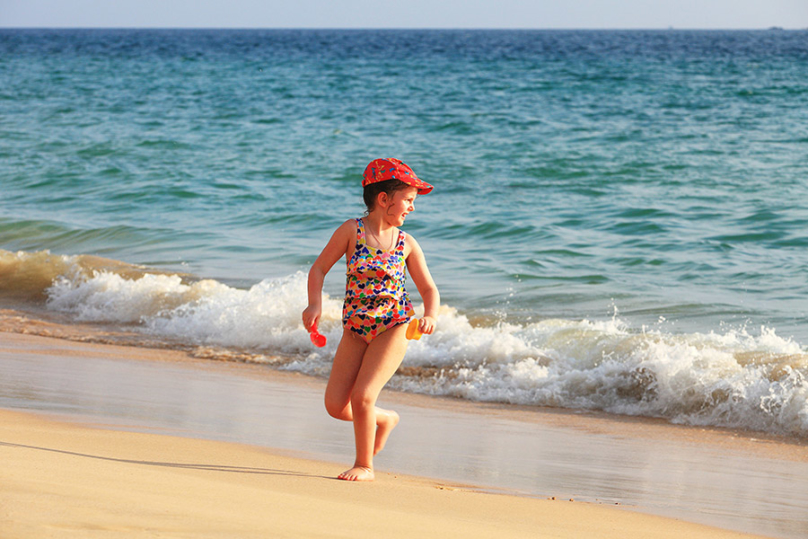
(376, 308)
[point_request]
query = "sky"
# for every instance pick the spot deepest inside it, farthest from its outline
(539, 14)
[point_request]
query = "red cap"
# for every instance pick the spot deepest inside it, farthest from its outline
(380, 170)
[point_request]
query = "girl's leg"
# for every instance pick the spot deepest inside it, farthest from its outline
(345, 369)
(381, 359)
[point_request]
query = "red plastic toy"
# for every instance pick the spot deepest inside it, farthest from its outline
(317, 339)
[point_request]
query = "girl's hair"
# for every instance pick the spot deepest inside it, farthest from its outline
(373, 190)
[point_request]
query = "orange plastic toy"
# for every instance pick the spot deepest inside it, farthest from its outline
(412, 330)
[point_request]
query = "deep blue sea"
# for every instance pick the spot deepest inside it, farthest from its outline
(619, 220)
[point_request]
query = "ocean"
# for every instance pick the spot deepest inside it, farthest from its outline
(618, 222)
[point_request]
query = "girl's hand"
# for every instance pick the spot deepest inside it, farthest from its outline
(311, 316)
(427, 325)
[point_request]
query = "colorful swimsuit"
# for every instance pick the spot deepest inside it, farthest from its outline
(375, 298)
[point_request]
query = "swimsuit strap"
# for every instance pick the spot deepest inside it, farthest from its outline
(360, 234)
(400, 243)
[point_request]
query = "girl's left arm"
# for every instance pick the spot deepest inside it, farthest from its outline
(419, 272)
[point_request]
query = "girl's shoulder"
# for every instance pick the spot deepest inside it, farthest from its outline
(349, 226)
(346, 232)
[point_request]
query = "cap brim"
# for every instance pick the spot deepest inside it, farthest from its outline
(423, 187)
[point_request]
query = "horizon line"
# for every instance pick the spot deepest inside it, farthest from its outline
(525, 29)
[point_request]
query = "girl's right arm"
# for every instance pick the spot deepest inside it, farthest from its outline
(337, 247)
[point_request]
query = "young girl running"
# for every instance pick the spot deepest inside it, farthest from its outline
(376, 308)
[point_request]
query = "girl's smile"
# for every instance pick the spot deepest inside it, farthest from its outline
(402, 204)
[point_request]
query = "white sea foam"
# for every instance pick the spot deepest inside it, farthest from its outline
(207, 312)
(736, 378)
(733, 379)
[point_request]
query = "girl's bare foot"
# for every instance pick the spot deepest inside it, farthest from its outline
(357, 473)
(385, 424)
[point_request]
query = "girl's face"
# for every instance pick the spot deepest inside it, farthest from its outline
(400, 204)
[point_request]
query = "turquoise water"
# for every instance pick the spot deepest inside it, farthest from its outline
(598, 195)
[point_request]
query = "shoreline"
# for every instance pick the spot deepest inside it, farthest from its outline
(586, 436)
(133, 346)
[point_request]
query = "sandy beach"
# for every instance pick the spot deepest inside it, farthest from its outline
(67, 480)
(83, 456)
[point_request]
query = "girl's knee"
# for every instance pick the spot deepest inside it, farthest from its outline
(337, 410)
(363, 400)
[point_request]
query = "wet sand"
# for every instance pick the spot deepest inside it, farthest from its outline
(736, 481)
